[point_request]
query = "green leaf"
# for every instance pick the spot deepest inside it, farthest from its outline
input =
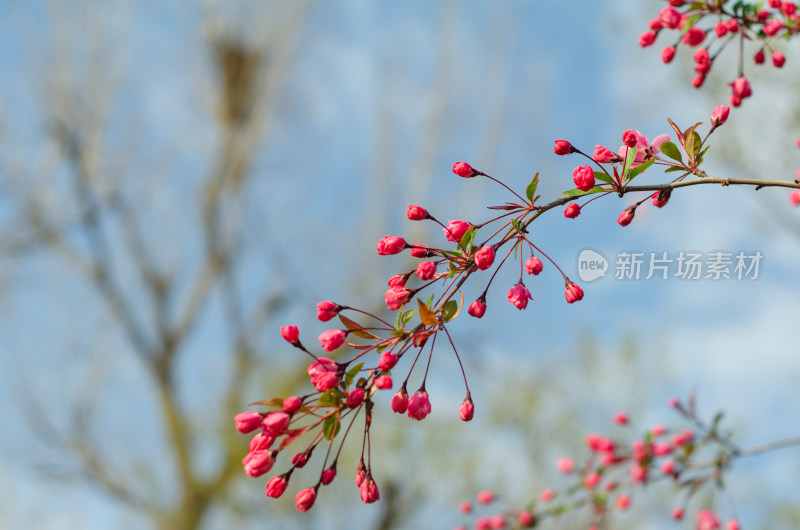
(329, 398)
(674, 168)
(408, 315)
(640, 169)
(629, 158)
(671, 150)
(530, 191)
(357, 329)
(599, 175)
(352, 373)
(449, 310)
(331, 426)
(429, 301)
(693, 144)
(468, 238)
(578, 193)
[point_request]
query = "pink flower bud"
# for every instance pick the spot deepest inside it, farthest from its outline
(775, 4)
(478, 308)
(323, 374)
(276, 421)
(762, 15)
(400, 401)
(583, 177)
(387, 361)
(655, 24)
(248, 421)
(416, 213)
(300, 459)
(465, 507)
(526, 519)
(546, 495)
(455, 230)
(398, 280)
(257, 463)
(419, 406)
(698, 80)
(721, 29)
(276, 486)
(677, 514)
(355, 397)
(484, 257)
(603, 155)
(467, 409)
(462, 169)
(623, 502)
(668, 54)
(563, 147)
(647, 38)
(519, 296)
(620, 418)
(326, 310)
(670, 17)
(668, 467)
(534, 264)
(328, 475)
(658, 430)
(383, 382)
(720, 115)
(758, 58)
(788, 8)
(694, 36)
(673, 402)
(419, 251)
(733, 26)
(701, 56)
(484, 497)
(369, 491)
(573, 292)
(661, 198)
(262, 441)
(591, 480)
(706, 520)
(778, 59)
(565, 465)
(733, 524)
(629, 138)
(572, 210)
(638, 474)
(305, 499)
(794, 197)
(773, 27)
(292, 404)
(626, 216)
(331, 339)
(290, 334)
(396, 297)
(390, 245)
(426, 270)
(741, 90)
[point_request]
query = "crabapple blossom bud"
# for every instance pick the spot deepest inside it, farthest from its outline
(290, 334)
(276, 486)
(706, 520)
(416, 213)
(694, 36)
(484, 497)
(788, 8)
(546, 495)
(355, 397)
(655, 24)
(572, 210)
(462, 169)
(668, 467)
(620, 418)
(467, 409)
(658, 430)
(331, 339)
(698, 80)
(794, 197)
(483, 523)
(305, 499)
(626, 216)
(661, 198)
(762, 15)
(396, 297)
(292, 404)
(387, 361)
(465, 507)
(519, 296)
(583, 177)
(667, 54)
(673, 402)
(497, 521)
(426, 270)
(398, 280)
(591, 480)
(276, 421)
(390, 245)
(369, 491)
(629, 138)
(257, 463)
(565, 465)
(455, 230)
(623, 502)
(300, 459)
(778, 59)
(721, 29)
(772, 27)
(573, 292)
(533, 265)
(383, 382)
(400, 401)
(647, 38)
(603, 155)
(733, 524)
(478, 308)
(638, 474)
(563, 147)
(328, 475)
(720, 115)
(670, 17)
(733, 26)
(677, 514)
(775, 4)
(419, 405)
(323, 374)
(758, 58)
(525, 519)
(261, 441)
(484, 257)
(326, 310)
(661, 449)
(248, 421)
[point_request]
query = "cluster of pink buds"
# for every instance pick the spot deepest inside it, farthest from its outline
(608, 476)
(718, 23)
